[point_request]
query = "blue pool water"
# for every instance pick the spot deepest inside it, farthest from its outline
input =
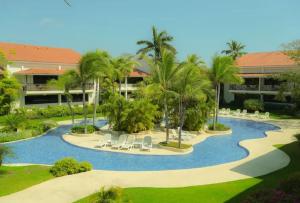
(214, 150)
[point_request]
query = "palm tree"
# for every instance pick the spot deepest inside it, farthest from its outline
(192, 83)
(235, 49)
(223, 71)
(162, 78)
(5, 151)
(87, 71)
(159, 42)
(67, 82)
(122, 67)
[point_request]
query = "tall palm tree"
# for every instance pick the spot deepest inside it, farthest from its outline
(162, 78)
(235, 49)
(88, 67)
(159, 42)
(223, 71)
(66, 82)
(122, 67)
(192, 83)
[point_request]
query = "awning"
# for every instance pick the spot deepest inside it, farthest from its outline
(41, 71)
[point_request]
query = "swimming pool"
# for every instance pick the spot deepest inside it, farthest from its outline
(214, 150)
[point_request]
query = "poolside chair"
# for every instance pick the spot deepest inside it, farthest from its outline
(266, 115)
(105, 141)
(237, 112)
(255, 115)
(147, 143)
(175, 135)
(227, 112)
(222, 111)
(121, 141)
(244, 113)
(129, 143)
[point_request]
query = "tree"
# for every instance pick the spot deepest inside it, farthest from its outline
(159, 42)
(111, 195)
(88, 67)
(5, 151)
(67, 82)
(163, 74)
(222, 71)
(235, 49)
(292, 49)
(192, 83)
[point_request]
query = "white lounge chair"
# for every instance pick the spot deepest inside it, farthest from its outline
(222, 111)
(147, 143)
(129, 143)
(244, 113)
(237, 112)
(227, 111)
(255, 115)
(266, 115)
(121, 141)
(106, 140)
(175, 135)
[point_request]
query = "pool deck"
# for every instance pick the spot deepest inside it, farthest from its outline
(263, 159)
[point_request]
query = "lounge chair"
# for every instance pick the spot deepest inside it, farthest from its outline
(105, 141)
(121, 141)
(129, 143)
(222, 111)
(244, 113)
(184, 136)
(266, 115)
(237, 112)
(255, 115)
(147, 143)
(227, 111)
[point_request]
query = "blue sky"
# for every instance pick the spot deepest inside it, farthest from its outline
(199, 26)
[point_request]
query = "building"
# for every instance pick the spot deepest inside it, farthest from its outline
(34, 66)
(257, 70)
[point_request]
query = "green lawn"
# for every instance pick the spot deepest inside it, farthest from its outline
(225, 192)
(16, 178)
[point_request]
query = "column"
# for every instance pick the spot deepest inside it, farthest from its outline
(59, 99)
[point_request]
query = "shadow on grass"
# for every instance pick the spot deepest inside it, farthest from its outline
(272, 180)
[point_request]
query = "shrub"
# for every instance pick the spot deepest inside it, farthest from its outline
(253, 105)
(270, 196)
(68, 166)
(111, 195)
(14, 122)
(5, 151)
(80, 129)
(298, 138)
(291, 185)
(219, 127)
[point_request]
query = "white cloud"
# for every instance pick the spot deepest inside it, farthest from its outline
(50, 22)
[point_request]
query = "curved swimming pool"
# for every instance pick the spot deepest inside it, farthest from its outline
(214, 150)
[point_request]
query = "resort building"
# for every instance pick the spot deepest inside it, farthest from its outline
(257, 70)
(34, 66)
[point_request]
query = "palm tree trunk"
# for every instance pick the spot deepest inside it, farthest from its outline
(120, 85)
(166, 118)
(180, 122)
(69, 102)
(218, 102)
(215, 109)
(84, 109)
(126, 92)
(95, 102)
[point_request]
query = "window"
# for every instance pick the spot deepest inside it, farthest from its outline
(41, 99)
(43, 79)
(76, 98)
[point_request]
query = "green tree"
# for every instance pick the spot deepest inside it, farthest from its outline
(163, 74)
(159, 42)
(5, 151)
(192, 83)
(292, 49)
(223, 71)
(235, 49)
(111, 195)
(87, 71)
(67, 82)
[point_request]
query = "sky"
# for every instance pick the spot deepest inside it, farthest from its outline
(199, 27)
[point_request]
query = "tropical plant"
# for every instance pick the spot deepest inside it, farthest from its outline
(292, 49)
(5, 151)
(87, 71)
(155, 47)
(13, 122)
(191, 83)
(235, 49)
(67, 82)
(163, 75)
(223, 71)
(253, 105)
(111, 195)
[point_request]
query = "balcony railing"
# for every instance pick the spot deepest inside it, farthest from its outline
(270, 87)
(45, 87)
(244, 87)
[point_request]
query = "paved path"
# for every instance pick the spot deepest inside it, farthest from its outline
(263, 159)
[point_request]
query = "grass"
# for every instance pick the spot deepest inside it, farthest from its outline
(175, 145)
(234, 191)
(16, 178)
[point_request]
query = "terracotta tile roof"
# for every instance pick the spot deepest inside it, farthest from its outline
(138, 73)
(265, 59)
(41, 71)
(22, 52)
(254, 75)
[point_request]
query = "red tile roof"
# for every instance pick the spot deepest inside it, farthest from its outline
(31, 53)
(265, 59)
(138, 73)
(41, 71)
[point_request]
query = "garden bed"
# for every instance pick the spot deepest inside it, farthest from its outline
(173, 146)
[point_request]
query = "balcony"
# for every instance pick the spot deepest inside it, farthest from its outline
(244, 87)
(45, 87)
(130, 87)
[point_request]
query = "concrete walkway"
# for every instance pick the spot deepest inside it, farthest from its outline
(263, 159)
